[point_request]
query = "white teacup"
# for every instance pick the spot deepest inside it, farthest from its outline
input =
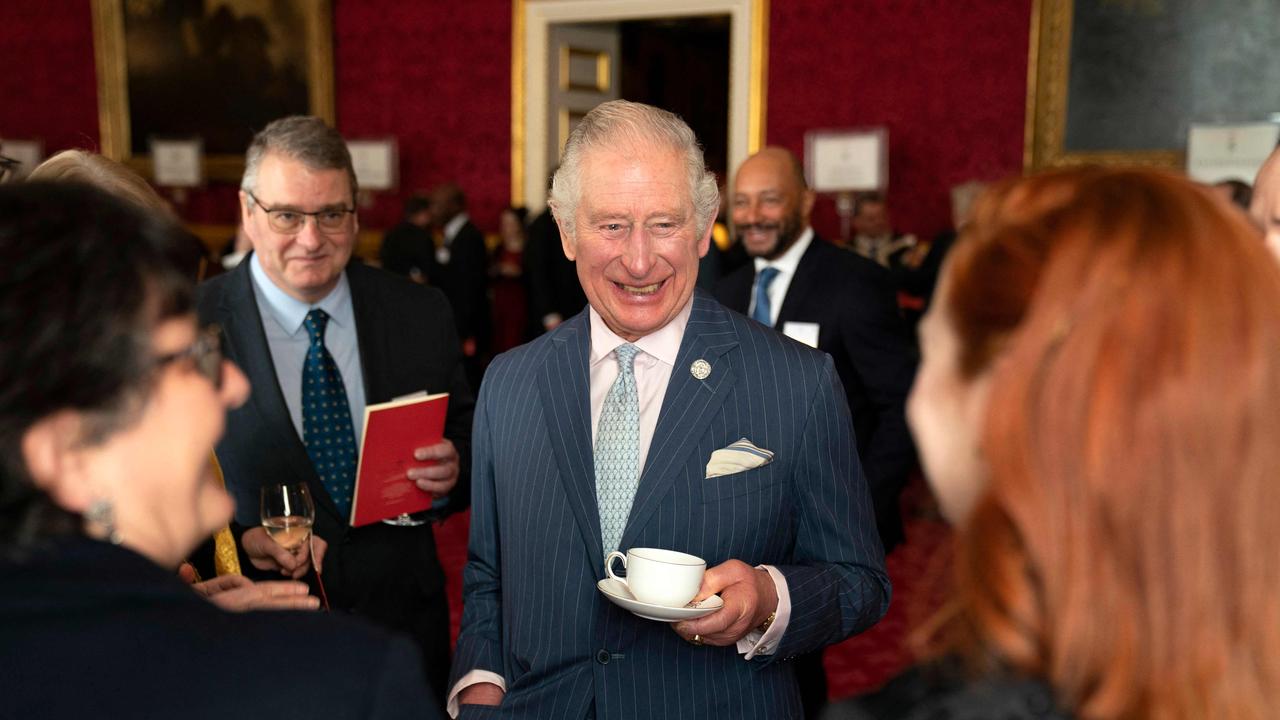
(659, 577)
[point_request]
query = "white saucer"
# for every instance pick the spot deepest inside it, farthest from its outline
(619, 595)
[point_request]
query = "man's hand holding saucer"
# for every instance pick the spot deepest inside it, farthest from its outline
(749, 599)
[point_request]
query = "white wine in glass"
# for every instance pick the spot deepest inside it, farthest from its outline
(288, 514)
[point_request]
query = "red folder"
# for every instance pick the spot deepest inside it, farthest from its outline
(392, 431)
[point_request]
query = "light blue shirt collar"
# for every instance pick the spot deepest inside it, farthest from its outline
(290, 312)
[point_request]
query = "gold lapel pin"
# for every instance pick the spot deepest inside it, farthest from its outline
(700, 369)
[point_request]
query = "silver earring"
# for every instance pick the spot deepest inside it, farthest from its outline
(101, 513)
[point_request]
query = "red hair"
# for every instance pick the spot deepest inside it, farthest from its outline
(1126, 547)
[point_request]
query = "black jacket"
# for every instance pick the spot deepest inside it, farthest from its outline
(850, 299)
(89, 629)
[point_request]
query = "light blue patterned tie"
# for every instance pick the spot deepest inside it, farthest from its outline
(763, 312)
(326, 417)
(618, 450)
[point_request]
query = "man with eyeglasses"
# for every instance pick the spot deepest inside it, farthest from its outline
(320, 339)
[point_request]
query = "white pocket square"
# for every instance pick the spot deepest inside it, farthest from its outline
(739, 456)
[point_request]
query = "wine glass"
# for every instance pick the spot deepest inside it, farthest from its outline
(288, 514)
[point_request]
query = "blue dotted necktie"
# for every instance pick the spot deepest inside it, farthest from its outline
(618, 450)
(763, 312)
(326, 417)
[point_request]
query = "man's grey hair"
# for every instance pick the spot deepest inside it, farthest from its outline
(634, 126)
(304, 138)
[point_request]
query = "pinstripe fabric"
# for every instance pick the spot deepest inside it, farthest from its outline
(531, 609)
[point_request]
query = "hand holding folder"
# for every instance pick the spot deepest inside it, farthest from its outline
(396, 435)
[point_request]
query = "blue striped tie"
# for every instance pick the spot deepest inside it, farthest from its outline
(763, 312)
(618, 450)
(326, 417)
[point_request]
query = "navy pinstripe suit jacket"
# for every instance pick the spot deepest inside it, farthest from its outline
(532, 612)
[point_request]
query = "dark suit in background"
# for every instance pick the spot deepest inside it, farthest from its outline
(91, 630)
(464, 279)
(407, 250)
(551, 278)
(407, 344)
(850, 299)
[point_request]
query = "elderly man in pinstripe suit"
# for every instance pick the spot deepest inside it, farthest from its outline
(598, 436)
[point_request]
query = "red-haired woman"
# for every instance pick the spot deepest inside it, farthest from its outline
(1098, 412)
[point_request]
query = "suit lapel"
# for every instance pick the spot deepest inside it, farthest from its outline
(686, 408)
(367, 324)
(247, 341)
(801, 284)
(565, 391)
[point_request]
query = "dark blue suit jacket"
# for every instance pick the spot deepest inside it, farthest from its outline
(532, 612)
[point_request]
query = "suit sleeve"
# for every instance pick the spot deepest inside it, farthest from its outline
(838, 584)
(480, 639)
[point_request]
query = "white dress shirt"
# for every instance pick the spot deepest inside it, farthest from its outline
(786, 265)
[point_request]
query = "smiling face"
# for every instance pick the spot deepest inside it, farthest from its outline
(635, 239)
(155, 471)
(305, 263)
(770, 205)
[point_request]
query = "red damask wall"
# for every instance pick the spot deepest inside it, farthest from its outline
(947, 79)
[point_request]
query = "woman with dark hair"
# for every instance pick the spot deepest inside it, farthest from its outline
(1098, 411)
(110, 401)
(230, 589)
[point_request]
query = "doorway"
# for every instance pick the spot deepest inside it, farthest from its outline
(719, 47)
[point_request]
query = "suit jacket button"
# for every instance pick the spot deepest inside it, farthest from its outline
(603, 657)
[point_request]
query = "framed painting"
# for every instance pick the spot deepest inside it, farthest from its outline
(216, 70)
(1122, 81)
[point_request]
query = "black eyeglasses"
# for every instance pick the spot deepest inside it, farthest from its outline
(205, 353)
(288, 220)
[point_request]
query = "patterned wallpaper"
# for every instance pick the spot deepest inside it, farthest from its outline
(947, 78)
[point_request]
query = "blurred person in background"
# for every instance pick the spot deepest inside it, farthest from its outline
(873, 234)
(1238, 192)
(407, 248)
(510, 308)
(460, 268)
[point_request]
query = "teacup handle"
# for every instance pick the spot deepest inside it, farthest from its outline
(608, 566)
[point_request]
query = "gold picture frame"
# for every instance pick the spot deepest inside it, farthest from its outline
(1048, 74)
(223, 162)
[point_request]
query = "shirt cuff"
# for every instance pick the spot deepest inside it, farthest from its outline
(472, 678)
(757, 643)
